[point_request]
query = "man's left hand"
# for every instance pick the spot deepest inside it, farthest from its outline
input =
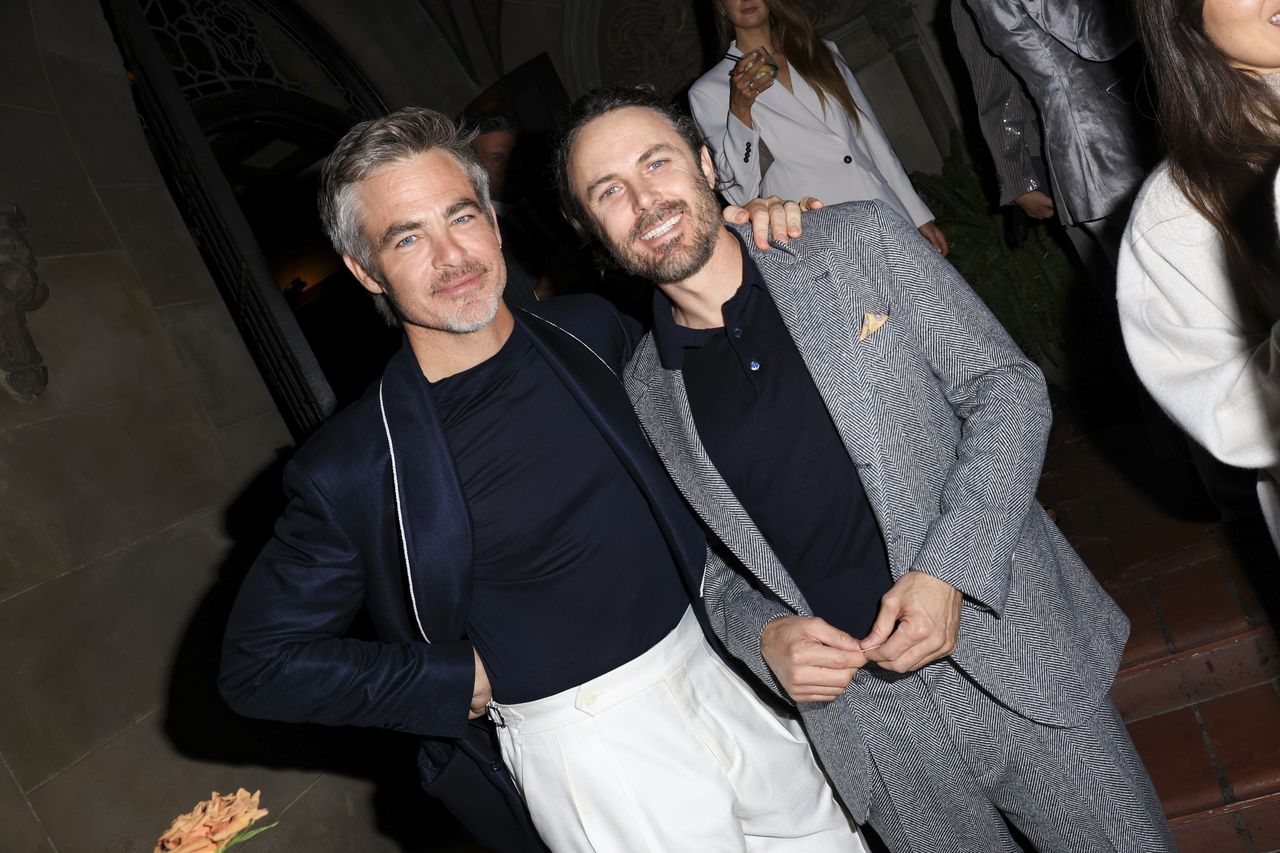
(917, 625)
(771, 214)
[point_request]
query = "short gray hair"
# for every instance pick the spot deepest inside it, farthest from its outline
(368, 147)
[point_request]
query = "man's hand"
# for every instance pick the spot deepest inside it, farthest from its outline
(771, 214)
(918, 622)
(812, 660)
(1036, 204)
(482, 692)
(931, 232)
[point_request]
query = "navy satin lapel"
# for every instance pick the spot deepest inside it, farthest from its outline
(601, 394)
(433, 507)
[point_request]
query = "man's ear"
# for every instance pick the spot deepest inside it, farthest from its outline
(367, 281)
(708, 166)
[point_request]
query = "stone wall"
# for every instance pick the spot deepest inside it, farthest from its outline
(135, 488)
(123, 487)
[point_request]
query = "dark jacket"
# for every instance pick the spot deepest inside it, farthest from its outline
(377, 519)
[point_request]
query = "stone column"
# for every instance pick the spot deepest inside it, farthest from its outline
(894, 21)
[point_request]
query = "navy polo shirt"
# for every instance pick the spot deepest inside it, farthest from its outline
(573, 576)
(769, 435)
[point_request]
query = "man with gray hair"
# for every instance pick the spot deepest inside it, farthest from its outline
(548, 590)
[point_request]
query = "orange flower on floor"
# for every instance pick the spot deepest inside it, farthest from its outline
(214, 824)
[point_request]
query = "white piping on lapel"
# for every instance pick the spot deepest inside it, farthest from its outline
(404, 542)
(579, 340)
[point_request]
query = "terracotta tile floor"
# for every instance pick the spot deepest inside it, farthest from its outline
(1200, 681)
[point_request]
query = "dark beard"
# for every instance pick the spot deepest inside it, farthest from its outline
(676, 260)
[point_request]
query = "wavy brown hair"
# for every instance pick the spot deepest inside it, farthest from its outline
(794, 32)
(1221, 127)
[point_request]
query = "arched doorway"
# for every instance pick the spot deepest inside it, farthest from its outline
(241, 100)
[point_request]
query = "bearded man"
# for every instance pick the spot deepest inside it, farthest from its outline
(493, 506)
(864, 440)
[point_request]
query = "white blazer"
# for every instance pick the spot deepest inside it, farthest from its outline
(1212, 366)
(815, 152)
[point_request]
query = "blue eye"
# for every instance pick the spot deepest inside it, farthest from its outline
(611, 191)
(407, 241)
(656, 164)
(464, 218)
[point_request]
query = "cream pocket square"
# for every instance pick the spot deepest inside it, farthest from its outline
(871, 324)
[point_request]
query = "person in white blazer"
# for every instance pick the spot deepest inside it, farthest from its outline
(824, 142)
(1199, 264)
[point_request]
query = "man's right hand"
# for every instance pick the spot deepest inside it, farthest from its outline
(1036, 204)
(482, 692)
(812, 660)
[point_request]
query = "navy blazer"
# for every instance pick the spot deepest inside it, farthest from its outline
(376, 519)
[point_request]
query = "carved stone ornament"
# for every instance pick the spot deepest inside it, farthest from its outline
(22, 371)
(642, 41)
(894, 21)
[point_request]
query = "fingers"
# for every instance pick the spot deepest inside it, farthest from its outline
(1036, 204)
(931, 232)
(882, 628)
(829, 635)
(761, 222)
(913, 645)
(784, 219)
(806, 668)
(810, 203)
(753, 74)
(820, 685)
(918, 623)
(771, 217)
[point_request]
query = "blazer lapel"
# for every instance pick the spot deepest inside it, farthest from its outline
(792, 111)
(435, 525)
(780, 101)
(824, 319)
(665, 414)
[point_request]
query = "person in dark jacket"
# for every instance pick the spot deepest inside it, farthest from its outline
(493, 506)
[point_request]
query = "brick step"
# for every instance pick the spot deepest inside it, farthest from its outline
(1209, 756)
(1227, 664)
(1247, 826)
(1186, 602)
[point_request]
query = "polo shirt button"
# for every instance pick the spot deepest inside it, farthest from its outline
(737, 333)
(848, 159)
(755, 365)
(590, 699)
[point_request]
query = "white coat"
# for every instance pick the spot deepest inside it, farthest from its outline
(815, 152)
(1214, 367)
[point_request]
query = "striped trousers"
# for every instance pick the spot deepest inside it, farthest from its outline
(951, 765)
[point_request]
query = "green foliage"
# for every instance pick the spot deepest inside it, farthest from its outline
(1030, 288)
(241, 837)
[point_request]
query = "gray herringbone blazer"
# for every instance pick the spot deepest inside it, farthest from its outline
(946, 421)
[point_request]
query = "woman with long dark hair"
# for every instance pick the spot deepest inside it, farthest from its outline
(819, 131)
(1199, 277)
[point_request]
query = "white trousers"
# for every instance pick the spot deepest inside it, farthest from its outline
(669, 752)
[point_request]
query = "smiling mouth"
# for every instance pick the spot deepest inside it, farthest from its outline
(1275, 20)
(662, 228)
(461, 280)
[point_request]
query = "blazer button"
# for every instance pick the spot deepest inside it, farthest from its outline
(848, 159)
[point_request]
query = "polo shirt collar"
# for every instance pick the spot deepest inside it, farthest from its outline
(672, 339)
